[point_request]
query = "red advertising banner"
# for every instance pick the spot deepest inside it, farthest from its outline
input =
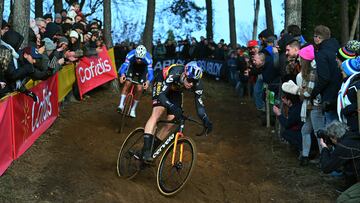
(6, 156)
(92, 72)
(33, 118)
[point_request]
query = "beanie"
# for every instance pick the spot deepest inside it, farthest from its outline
(74, 34)
(351, 66)
(307, 53)
(354, 46)
(49, 44)
(344, 53)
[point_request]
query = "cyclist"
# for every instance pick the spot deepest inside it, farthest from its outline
(137, 67)
(167, 96)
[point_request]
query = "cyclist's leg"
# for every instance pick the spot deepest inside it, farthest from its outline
(150, 127)
(140, 77)
(177, 99)
(123, 95)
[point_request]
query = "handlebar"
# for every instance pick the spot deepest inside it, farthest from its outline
(182, 121)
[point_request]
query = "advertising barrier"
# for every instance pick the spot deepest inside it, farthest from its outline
(66, 78)
(92, 72)
(211, 67)
(6, 156)
(33, 118)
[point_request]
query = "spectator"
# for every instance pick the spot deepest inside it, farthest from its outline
(73, 11)
(345, 153)
(347, 107)
(159, 50)
(292, 122)
(48, 18)
(329, 75)
(58, 19)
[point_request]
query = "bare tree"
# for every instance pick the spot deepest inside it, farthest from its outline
(256, 16)
(38, 8)
(1, 10)
(58, 5)
(209, 19)
(147, 37)
(21, 18)
(107, 23)
(232, 23)
(293, 12)
(344, 21)
(269, 16)
(355, 22)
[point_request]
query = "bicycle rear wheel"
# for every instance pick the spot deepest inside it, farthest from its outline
(129, 160)
(172, 178)
(126, 111)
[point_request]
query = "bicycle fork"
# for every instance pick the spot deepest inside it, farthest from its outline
(178, 134)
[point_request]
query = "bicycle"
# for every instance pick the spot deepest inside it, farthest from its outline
(178, 157)
(129, 100)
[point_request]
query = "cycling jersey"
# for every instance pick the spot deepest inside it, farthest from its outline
(130, 63)
(168, 89)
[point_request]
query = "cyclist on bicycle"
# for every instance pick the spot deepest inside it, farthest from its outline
(167, 97)
(137, 67)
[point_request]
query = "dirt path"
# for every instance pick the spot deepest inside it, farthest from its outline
(75, 160)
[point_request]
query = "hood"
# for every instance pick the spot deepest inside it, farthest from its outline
(13, 38)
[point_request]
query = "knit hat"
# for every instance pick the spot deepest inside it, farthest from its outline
(58, 15)
(307, 53)
(63, 40)
(74, 34)
(351, 66)
(49, 44)
(354, 46)
(344, 53)
(252, 43)
(48, 15)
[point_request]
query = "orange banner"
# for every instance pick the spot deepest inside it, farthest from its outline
(6, 156)
(31, 119)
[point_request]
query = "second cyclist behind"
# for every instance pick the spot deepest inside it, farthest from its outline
(137, 67)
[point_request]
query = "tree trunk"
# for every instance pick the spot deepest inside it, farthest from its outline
(209, 19)
(107, 23)
(293, 12)
(39, 8)
(58, 5)
(21, 19)
(1, 10)
(344, 21)
(232, 22)
(355, 22)
(269, 16)
(256, 9)
(147, 37)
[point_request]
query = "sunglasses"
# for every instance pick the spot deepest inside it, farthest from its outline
(191, 80)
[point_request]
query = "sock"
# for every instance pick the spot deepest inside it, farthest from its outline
(148, 139)
(122, 99)
(133, 108)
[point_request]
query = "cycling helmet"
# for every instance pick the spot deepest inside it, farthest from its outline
(193, 70)
(140, 51)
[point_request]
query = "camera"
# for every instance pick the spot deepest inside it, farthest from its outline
(322, 134)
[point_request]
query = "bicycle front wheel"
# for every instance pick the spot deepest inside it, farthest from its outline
(129, 161)
(171, 178)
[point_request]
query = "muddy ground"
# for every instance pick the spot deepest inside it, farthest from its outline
(241, 161)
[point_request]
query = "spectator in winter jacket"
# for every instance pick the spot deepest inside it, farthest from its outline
(329, 75)
(73, 11)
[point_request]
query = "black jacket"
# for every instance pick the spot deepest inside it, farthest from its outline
(346, 154)
(329, 74)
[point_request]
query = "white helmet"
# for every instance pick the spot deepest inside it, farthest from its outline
(140, 51)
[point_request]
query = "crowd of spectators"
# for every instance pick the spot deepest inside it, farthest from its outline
(54, 41)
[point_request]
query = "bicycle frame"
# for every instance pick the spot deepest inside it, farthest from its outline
(130, 95)
(173, 137)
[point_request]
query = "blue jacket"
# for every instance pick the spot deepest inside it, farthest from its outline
(130, 58)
